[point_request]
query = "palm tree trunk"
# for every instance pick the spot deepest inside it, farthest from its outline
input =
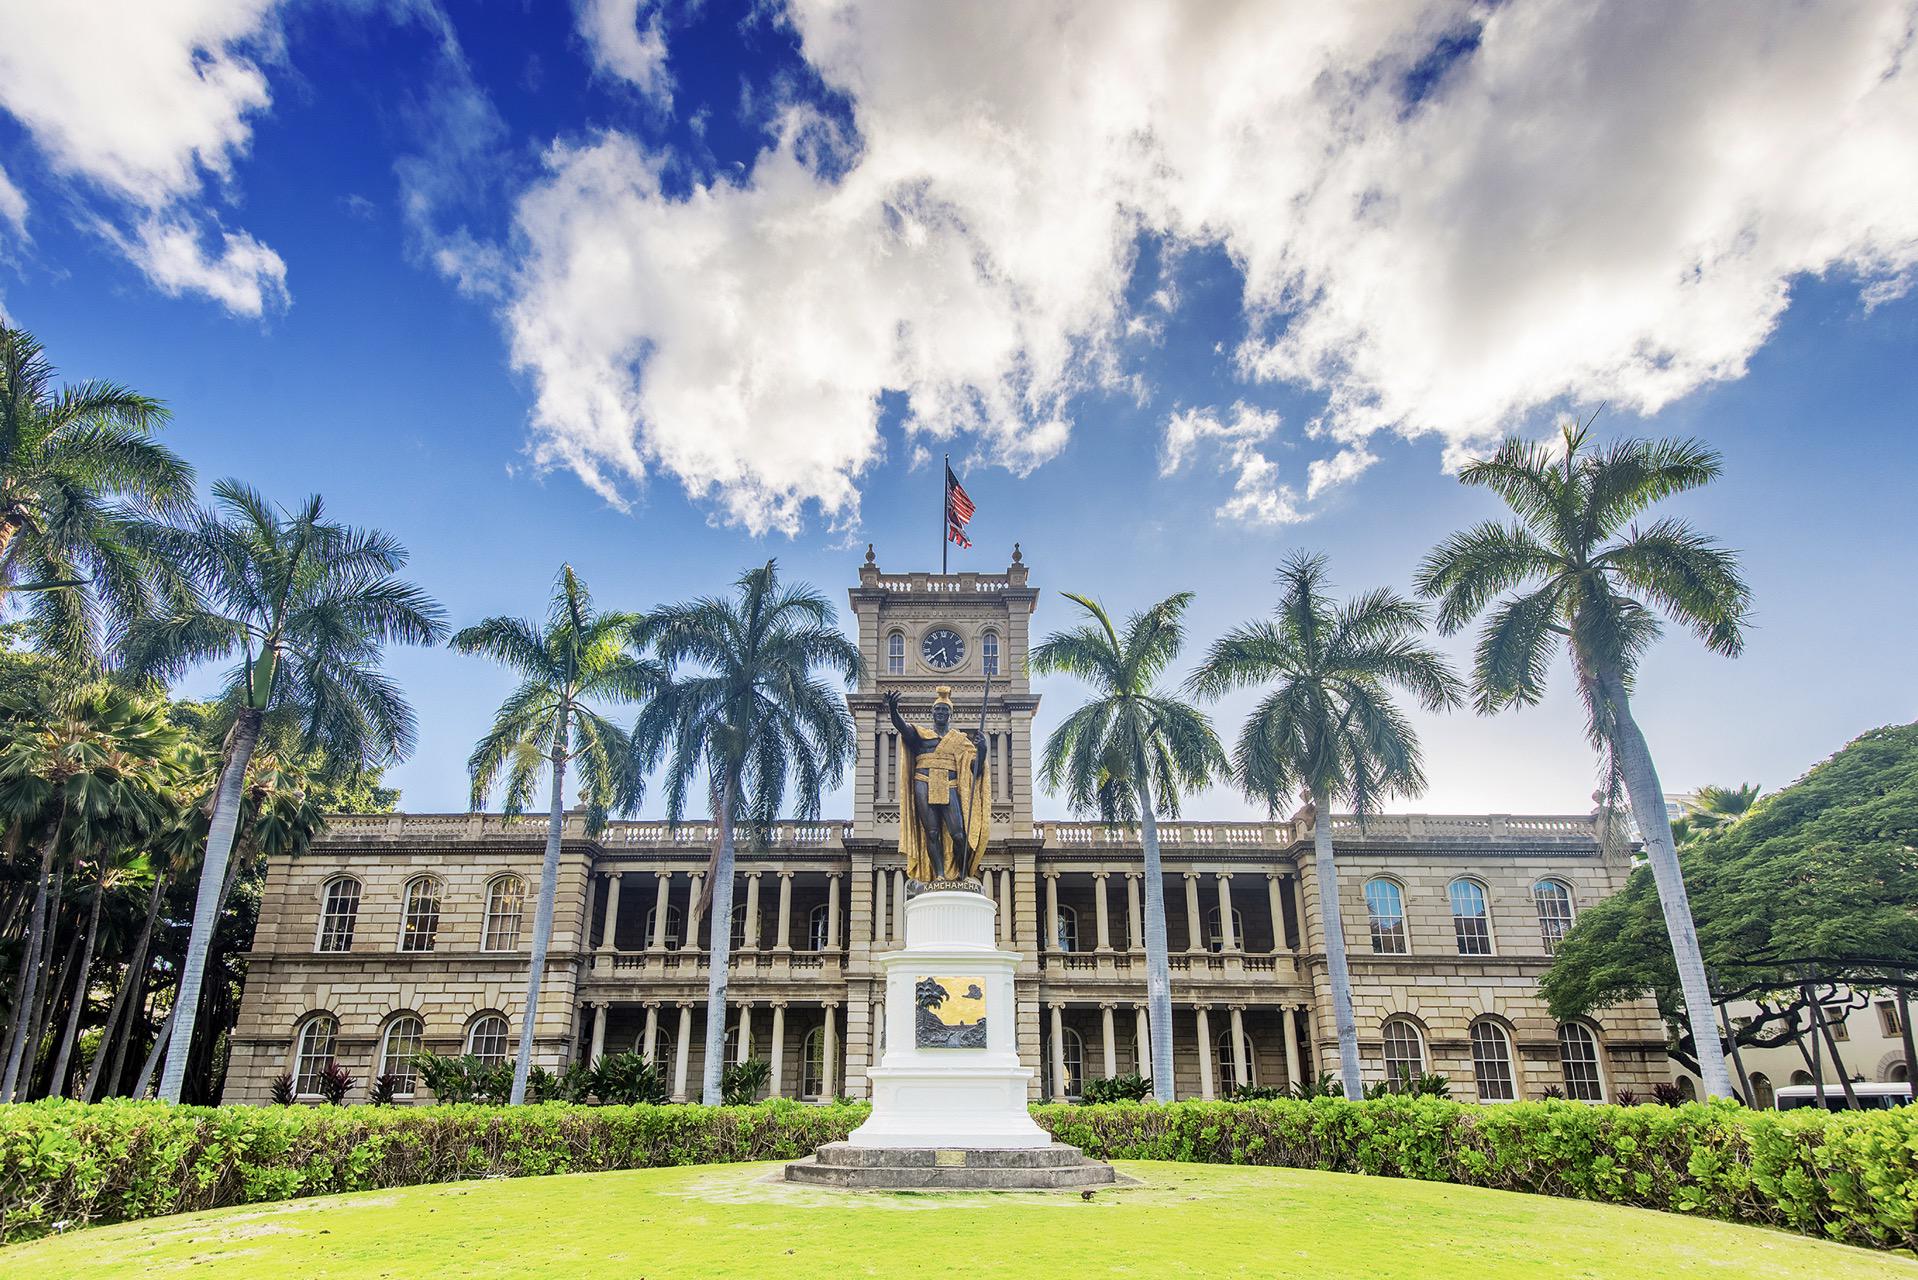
(1648, 806)
(50, 999)
(24, 1007)
(207, 902)
(1158, 973)
(720, 954)
(58, 1088)
(543, 917)
(114, 1037)
(1338, 972)
(152, 1063)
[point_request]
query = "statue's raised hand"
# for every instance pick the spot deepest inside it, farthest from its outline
(891, 699)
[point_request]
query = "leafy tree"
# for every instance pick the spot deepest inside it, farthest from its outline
(744, 712)
(307, 605)
(1127, 755)
(1575, 570)
(550, 720)
(1713, 809)
(1329, 727)
(80, 473)
(1821, 874)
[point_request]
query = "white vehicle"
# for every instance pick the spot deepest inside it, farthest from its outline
(1871, 1097)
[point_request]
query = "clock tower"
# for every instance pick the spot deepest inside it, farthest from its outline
(918, 631)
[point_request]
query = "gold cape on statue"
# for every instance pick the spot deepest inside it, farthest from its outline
(975, 802)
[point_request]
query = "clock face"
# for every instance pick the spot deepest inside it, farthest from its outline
(942, 649)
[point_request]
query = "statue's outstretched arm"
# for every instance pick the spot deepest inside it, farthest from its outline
(915, 742)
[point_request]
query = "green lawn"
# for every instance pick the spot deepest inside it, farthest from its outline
(725, 1221)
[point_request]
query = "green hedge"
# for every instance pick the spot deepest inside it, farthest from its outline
(1851, 1177)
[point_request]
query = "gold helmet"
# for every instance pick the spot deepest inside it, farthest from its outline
(942, 694)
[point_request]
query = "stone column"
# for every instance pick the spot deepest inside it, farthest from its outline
(600, 1012)
(1052, 911)
(1205, 1053)
(1101, 911)
(879, 1030)
(1058, 1053)
(776, 1081)
(1276, 896)
(1290, 1024)
(1143, 1026)
(880, 912)
(899, 906)
(680, 1049)
(1008, 923)
(751, 941)
(649, 1044)
(829, 1081)
(661, 901)
(1239, 1073)
(745, 1049)
(609, 939)
(1112, 1052)
(832, 913)
(694, 883)
(1134, 920)
(1228, 934)
(1194, 922)
(782, 939)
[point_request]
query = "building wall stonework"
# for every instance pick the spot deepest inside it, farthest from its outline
(824, 900)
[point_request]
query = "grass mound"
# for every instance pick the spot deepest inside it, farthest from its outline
(725, 1221)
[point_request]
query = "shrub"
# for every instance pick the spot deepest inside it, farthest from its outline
(1131, 1087)
(1667, 1094)
(1326, 1086)
(336, 1082)
(465, 1078)
(283, 1088)
(626, 1079)
(741, 1082)
(385, 1090)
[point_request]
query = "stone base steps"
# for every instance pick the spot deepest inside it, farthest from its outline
(1056, 1167)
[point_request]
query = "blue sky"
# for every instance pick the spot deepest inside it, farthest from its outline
(665, 290)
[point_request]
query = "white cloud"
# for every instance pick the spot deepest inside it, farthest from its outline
(243, 275)
(13, 205)
(145, 102)
(1257, 495)
(625, 40)
(1598, 202)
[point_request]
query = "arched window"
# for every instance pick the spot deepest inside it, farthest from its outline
(1068, 929)
(989, 652)
(1686, 1089)
(1385, 905)
(1404, 1052)
(397, 1047)
(1553, 898)
(665, 1047)
(1222, 1061)
(1578, 1059)
(313, 1053)
(339, 913)
(896, 654)
(1075, 1056)
(739, 925)
(818, 927)
(1215, 940)
(505, 903)
(1899, 1073)
(1492, 1063)
(672, 926)
(420, 924)
(812, 1057)
(486, 1038)
(1764, 1097)
(730, 1054)
(1471, 923)
(1801, 1077)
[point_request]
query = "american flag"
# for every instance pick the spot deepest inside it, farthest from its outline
(959, 510)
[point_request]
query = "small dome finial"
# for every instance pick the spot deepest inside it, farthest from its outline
(869, 555)
(1016, 557)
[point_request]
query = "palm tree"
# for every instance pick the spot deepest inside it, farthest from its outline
(579, 658)
(306, 604)
(1715, 808)
(1328, 727)
(1575, 569)
(79, 472)
(749, 718)
(1127, 755)
(93, 768)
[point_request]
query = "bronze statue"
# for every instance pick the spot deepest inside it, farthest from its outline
(943, 831)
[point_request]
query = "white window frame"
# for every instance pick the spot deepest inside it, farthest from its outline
(404, 1068)
(895, 653)
(818, 926)
(338, 925)
(1552, 925)
(411, 915)
(1395, 1063)
(309, 1058)
(1485, 1036)
(1215, 940)
(505, 1037)
(1068, 939)
(497, 915)
(989, 652)
(1222, 1060)
(1581, 1089)
(1473, 933)
(1383, 933)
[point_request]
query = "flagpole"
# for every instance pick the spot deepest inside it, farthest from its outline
(945, 514)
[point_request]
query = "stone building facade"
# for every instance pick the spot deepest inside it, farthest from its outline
(409, 931)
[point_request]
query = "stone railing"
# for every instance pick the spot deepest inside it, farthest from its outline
(1082, 835)
(823, 835)
(1458, 826)
(944, 584)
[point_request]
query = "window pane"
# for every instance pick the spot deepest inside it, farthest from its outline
(1386, 907)
(1578, 1056)
(816, 928)
(396, 1058)
(339, 913)
(1554, 903)
(1469, 921)
(315, 1054)
(487, 1040)
(1404, 1055)
(895, 653)
(505, 904)
(989, 653)
(421, 924)
(1492, 1063)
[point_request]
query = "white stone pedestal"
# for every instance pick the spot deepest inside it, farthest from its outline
(950, 1097)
